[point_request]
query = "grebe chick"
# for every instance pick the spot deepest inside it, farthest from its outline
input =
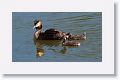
(70, 43)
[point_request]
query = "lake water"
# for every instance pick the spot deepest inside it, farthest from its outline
(24, 50)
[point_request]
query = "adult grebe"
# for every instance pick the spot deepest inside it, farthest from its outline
(49, 34)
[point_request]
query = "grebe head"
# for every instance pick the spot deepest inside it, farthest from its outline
(37, 24)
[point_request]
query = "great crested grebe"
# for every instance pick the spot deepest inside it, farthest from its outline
(49, 34)
(53, 34)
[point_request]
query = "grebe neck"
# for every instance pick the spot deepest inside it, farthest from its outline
(38, 32)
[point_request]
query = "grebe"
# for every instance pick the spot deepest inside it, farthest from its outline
(70, 43)
(49, 34)
(77, 36)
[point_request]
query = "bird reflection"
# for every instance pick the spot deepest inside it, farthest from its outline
(39, 52)
(51, 44)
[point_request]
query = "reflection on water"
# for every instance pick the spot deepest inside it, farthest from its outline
(24, 50)
(49, 43)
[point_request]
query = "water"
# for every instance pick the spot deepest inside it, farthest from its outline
(24, 50)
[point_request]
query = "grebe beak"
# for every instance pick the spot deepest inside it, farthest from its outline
(37, 25)
(34, 27)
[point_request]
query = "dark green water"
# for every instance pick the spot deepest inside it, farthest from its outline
(24, 50)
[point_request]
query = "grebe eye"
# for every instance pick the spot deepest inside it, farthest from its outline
(35, 22)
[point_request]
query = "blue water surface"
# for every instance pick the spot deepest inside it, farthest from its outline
(90, 50)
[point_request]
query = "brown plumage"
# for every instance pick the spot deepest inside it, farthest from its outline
(77, 36)
(70, 43)
(49, 34)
